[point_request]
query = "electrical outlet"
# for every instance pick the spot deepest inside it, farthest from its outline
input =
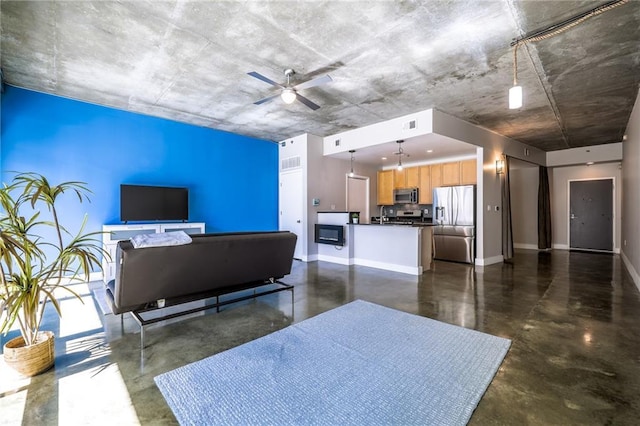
(497, 208)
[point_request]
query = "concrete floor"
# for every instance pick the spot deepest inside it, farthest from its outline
(574, 319)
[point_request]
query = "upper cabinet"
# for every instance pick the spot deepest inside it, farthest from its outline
(451, 173)
(425, 194)
(468, 172)
(406, 178)
(385, 187)
(412, 177)
(436, 175)
(425, 178)
(399, 178)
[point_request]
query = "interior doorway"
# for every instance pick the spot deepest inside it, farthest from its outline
(291, 207)
(358, 196)
(591, 214)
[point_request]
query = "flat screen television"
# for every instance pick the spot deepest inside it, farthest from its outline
(153, 203)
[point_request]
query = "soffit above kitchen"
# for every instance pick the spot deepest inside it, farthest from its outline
(188, 61)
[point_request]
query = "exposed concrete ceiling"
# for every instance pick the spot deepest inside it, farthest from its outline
(188, 61)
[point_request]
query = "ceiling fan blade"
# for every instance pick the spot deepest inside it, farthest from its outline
(313, 83)
(265, 100)
(263, 78)
(307, 102)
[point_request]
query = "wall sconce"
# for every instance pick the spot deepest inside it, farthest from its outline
(499, 167)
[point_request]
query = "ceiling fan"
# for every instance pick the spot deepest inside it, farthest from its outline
(289, 93)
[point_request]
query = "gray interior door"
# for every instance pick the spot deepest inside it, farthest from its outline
(591, 214)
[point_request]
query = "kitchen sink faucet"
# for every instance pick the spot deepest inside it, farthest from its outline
(381, 214)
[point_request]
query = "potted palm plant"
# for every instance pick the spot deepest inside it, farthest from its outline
(34, 268)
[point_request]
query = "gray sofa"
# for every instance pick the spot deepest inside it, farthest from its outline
(212, 265)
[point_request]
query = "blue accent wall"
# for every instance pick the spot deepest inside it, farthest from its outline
(232, 179)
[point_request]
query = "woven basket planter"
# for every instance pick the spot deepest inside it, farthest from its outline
(30, 360)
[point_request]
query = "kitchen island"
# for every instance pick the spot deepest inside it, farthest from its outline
(400, 248)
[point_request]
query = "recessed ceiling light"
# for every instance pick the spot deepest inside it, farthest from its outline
(429, 151)
(384, 158)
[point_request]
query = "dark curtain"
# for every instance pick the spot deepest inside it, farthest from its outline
(544, 210)
(507, 228)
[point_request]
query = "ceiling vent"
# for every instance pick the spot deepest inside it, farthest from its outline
(290, 163)
(409, 125)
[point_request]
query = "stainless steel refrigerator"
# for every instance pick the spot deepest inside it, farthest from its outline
(455, 216)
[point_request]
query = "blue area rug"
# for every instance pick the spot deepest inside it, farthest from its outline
(359, 364)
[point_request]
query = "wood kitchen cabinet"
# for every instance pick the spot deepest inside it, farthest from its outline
(451, 173)
(406, 178)
(399, 179)
(412, 177)
(436, 176)
(468, 172)
(385, 187)
(425, 193)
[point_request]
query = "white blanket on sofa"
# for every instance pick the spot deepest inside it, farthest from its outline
(161, 239)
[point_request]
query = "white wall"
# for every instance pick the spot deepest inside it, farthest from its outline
(577, 156)
(559, 180)
(524, 206)
(631, 189)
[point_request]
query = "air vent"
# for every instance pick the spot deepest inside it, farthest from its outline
(290, 163)
(409, 125)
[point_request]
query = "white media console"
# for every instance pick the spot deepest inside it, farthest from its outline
(114, 233)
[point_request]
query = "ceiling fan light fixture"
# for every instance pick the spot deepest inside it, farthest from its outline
(288, 96)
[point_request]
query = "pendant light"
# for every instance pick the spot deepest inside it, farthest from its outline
(515, 93)
(351, 174)
(400, 154)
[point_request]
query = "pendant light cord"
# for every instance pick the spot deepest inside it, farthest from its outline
(515, 64)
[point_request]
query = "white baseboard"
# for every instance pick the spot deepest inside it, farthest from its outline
(561, 246)
(334, 259)
(525, 246)
(413, 270)
(632, 271)
(489, 260)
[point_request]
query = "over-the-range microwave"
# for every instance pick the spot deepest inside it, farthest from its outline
(405, 196)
